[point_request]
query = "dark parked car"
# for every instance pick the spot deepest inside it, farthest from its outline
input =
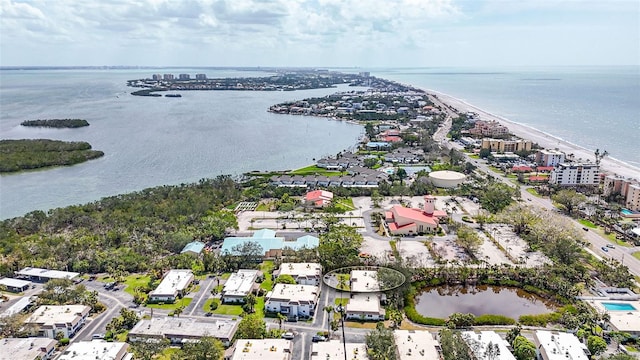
(318, 338)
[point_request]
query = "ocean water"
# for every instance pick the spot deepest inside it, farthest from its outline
(593, 107)
(150, 141)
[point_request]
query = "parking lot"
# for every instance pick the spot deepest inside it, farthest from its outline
(415, 253)
(515, 246)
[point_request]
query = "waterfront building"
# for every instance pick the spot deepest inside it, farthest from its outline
(549, 157)
(168, 77)
(15, 285)
(44, 275)
(239, 285)
(488, 128)
(201, 76)
(184, 77)
(334, 349)
(30, 348)
(295, 301)
(193, 248)
(624, 316)
(49, 320)
(263, 349)
(416, 344)
(406, 221)
(156, 77)
(632, 201)
(553, 345)
(271, 244)
(173, 285)
(97, 350)
(574, 174)
(502, 146)
(180, 330)
(628, 189)
(302, 273)
(487, 345)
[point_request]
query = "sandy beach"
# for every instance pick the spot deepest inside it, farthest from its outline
(608, 164)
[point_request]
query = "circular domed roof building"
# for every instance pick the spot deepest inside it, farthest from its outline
(446, 178)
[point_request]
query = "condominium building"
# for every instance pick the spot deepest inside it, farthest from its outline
(179, 330)
(549, 157)
(173, 285)
(293, 300)
(168, 77)
(632, 202)
(97, 350)
(263, 349)
(559, 346)
(502, 146)
(416, 344)
(487, 345)
(239, 285)
(334, 349)
(28, 348)
(201, 76)
(364, 307)
(184, 77)
(302, 273)
(573, 174)
(628, 189)
(49, 320)
(489, 128)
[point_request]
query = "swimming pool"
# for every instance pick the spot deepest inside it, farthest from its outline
(618, 306)
(626, 212)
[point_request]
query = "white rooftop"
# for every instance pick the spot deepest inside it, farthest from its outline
(364, 303)
(263, 349)
(557, 345)
(18, 306)
(96, 350)
(334, 350)
(479, 343)
(240, 283)
(301, 269)
(49, 315)
(416, 344)
(26, 348)
(364, 281)
(14, 282)
(175, 280)
(294, 293)
(46, 273)
(184, 327)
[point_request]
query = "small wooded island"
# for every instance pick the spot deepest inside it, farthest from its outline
(56, 123)
(25, 154)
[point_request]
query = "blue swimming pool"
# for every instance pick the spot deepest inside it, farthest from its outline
(626, 211)
(618, 306)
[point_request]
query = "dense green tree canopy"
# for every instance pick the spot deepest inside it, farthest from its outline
(339, 247)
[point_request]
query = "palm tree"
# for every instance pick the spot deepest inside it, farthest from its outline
(329, 310)
(281, 319)
(251, 302)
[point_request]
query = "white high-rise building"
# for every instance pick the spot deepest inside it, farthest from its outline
(573, 174)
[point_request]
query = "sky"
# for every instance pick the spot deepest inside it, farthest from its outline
(319, 33)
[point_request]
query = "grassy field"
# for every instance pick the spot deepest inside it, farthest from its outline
(314, 170)
(259, 307)
(207, 304)
(345, 204)
(166, 353)
(135, 281)
(587, 223)
(636, 255)
(182, 302)
(267, 268)
(229, 310)
(533, 192)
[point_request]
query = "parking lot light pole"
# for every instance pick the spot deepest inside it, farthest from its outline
(343, 314)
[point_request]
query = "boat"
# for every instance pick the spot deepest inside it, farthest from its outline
(173, 95)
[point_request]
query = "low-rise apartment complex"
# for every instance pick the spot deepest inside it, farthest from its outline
(334, 349)
(302, 273)
(96, 350)
(239, 285)
(263, 349)
(416, 345)
(559, 346)
(293, 300)
(48, 320)
(28, 348)
(503, 146)
(173, 285)
(180, 330)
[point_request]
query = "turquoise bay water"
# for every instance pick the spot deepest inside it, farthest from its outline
(618, 306)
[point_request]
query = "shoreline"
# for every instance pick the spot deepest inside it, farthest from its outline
(545, 140)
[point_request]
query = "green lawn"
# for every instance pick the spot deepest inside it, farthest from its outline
(228, 310)
(263, 207)
(259, 307)
(181, 302)
(344, 204)
(225, 276)
(267, 268)
(314, 170)
(342, 301)
(207, 304)
(587, 223)
(636, 255)
(166, 353)
(135, 281)
(474, 156)
(533, 192)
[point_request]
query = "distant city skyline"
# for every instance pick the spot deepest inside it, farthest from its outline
(319, 33)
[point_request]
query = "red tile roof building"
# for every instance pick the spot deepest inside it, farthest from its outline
(411, 221)
(319, 198)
